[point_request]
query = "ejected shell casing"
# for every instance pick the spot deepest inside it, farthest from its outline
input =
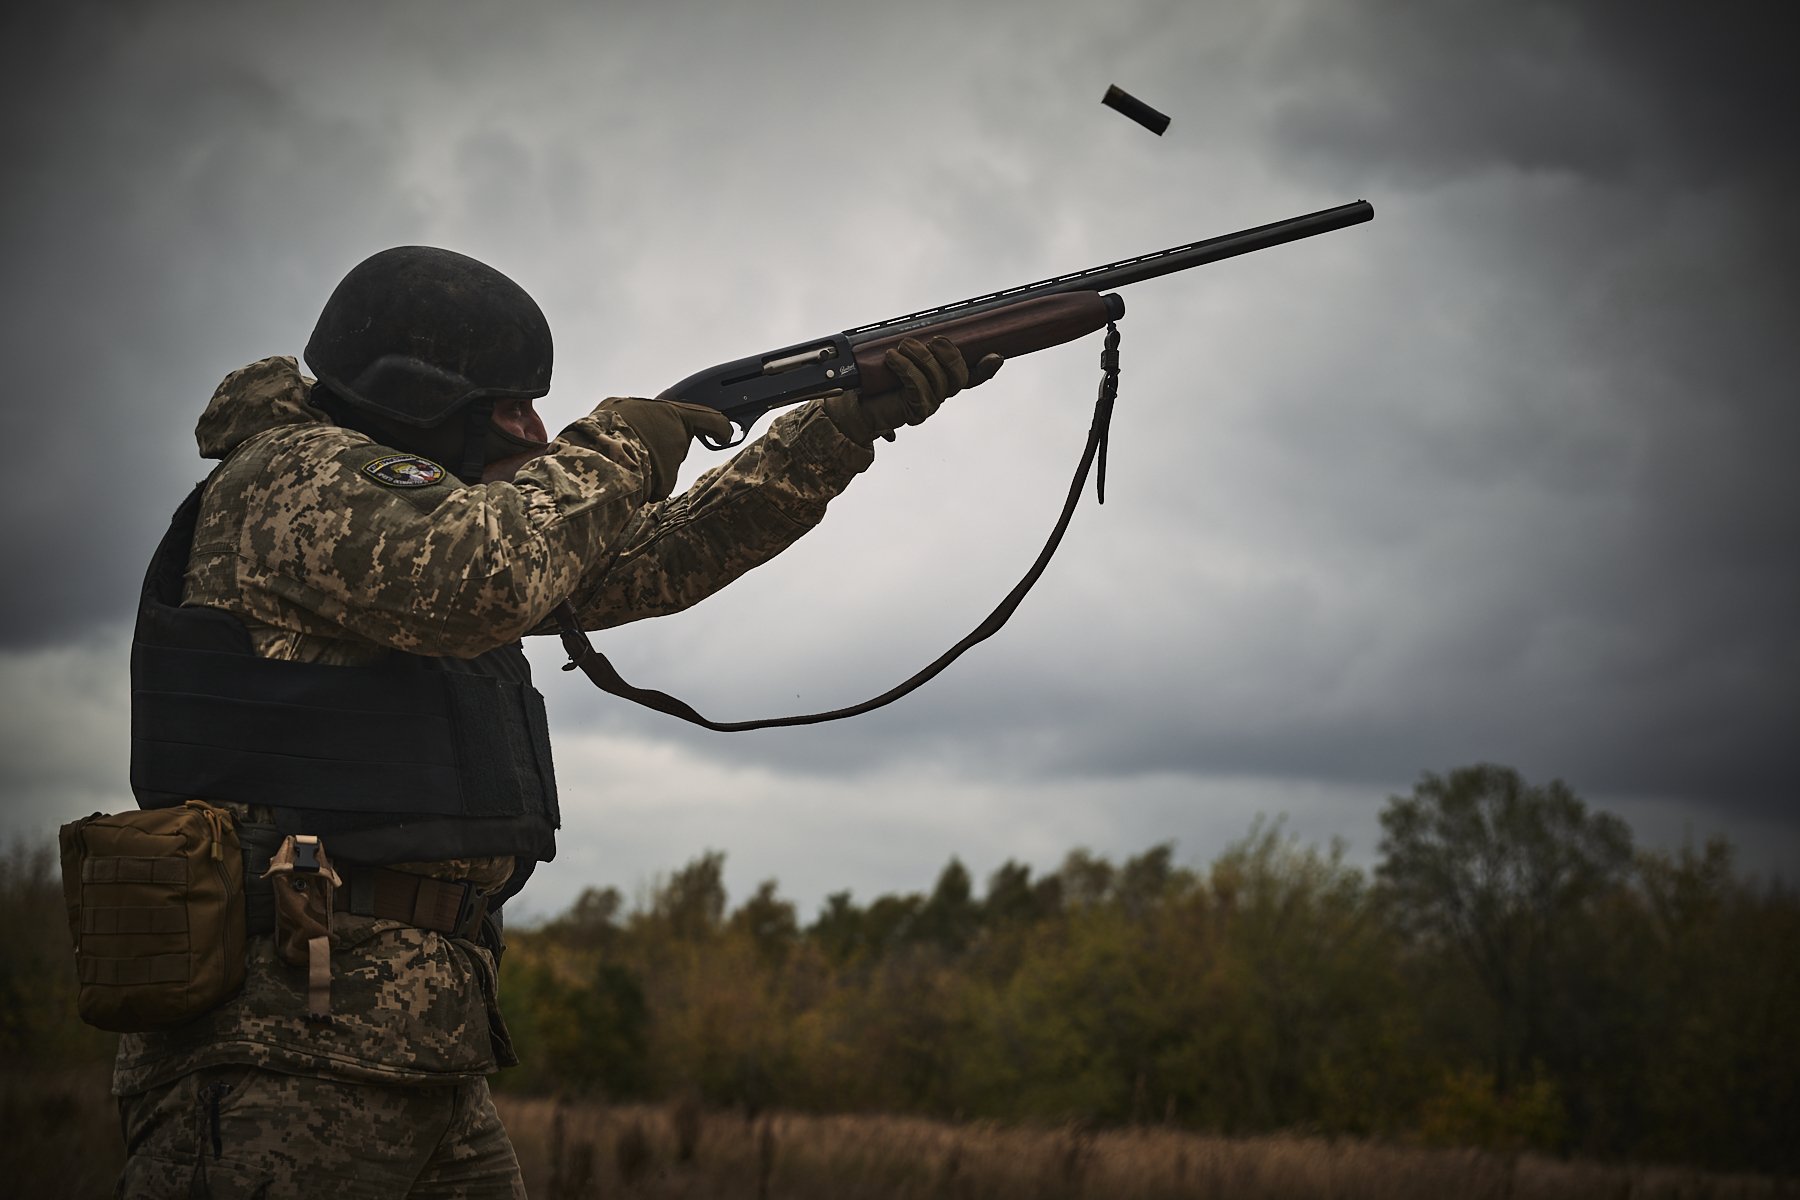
(1134, 108)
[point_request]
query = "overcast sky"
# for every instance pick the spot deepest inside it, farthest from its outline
(1506, 475)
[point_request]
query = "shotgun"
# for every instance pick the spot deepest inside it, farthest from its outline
(1009, 323)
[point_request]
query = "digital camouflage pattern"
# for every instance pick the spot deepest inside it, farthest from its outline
(293, 537)
(408, 1006)
(324, 562)
(239, 1133)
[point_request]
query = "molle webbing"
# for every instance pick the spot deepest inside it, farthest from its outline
(162, 920)
(155, 903)
(133, 972)
(457, 751)
(393, 738)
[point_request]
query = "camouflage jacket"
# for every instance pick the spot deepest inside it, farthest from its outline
(324, 562)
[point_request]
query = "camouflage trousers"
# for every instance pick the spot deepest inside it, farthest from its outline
(243, 1133)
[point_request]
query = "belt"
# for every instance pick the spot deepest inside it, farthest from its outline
(447, 906)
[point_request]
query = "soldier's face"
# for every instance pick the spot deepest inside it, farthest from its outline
(518, 418)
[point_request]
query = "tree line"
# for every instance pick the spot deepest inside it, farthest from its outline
(1513, 972)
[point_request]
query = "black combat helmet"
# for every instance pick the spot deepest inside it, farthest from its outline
(413, 336)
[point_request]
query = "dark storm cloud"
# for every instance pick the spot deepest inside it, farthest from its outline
(160, 207)
(1498, 476)
(1652, 93)
(1553, 451)
(1563, 441)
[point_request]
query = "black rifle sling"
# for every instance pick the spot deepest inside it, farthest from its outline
(606, 677)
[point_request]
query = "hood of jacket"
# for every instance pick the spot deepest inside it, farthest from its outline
(255, 399)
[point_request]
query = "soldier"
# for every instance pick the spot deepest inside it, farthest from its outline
(329, 646)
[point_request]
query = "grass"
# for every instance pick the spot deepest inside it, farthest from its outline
(59, 1134)
(571, 1151)
(59, 1138)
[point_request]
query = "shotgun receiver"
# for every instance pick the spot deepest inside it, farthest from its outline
(1009, 323)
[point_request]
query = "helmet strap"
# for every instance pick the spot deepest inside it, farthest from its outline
(477, 418)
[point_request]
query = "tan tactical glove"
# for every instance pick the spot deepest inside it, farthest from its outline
(929, 373)
(668, 427)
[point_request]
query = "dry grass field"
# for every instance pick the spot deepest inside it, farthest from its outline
(59, 1135)
(572, 1150)
(59, 1139)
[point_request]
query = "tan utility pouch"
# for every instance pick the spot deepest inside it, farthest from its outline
(156, 908)
(304, 886)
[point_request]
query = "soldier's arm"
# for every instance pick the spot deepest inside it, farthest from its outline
(438, 569)
(676, 552)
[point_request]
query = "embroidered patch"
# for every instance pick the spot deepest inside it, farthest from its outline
(404, 471)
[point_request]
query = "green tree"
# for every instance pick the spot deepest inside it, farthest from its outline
(691, 902)
(888, 923)
(1144, 882)
(39, 1025)
(586, 1033)
(1307, 1018)
(592, 922)
(838, 929)
(1010, 898)
(1085, 879)
(1717, 1078)
(1506, 875)
(769, 922)
(949, 917)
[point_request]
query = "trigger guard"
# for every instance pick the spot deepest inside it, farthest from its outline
(712, 443)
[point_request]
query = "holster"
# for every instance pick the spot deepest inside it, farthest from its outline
(305, 887)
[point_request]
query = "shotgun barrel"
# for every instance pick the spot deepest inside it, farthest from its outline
(1012, 322)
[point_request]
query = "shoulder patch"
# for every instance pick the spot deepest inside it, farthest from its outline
(404, 471)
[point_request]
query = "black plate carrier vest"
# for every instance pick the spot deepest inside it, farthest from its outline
(412, 759)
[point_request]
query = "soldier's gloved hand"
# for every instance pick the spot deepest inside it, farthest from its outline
(668, 428)
(929, 373)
